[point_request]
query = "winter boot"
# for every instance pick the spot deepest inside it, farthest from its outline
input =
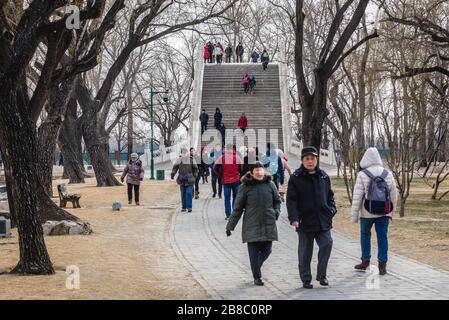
(382, 268)
(363, 266)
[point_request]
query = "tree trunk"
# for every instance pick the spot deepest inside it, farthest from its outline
(314, 115)
(69, 141)
(20, 153)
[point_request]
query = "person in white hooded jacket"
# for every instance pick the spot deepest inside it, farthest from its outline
(372, 162)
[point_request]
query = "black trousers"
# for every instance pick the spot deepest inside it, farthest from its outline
(203, 127)
(258, 253)
(240, 58)
(215, 180)
(196, 187)
(136, 192)
(228, 59)
(305, 253)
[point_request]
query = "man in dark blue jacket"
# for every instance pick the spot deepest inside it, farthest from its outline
(204, 119)
(311, 208)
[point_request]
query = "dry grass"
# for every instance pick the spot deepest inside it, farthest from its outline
(422, 235)
(127, 257)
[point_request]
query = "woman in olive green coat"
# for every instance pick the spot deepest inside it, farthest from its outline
(259, 202)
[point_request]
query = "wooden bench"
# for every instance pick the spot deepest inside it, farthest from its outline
(64, 197)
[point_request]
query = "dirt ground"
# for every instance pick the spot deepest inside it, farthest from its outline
(422, 235)
(128, 256)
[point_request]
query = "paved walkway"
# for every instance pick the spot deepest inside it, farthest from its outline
(221, 264)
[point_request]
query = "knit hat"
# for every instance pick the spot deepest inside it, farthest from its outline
(134, 155)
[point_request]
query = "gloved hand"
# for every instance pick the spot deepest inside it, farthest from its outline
(228, 233)
(122, 179)
(172, 176)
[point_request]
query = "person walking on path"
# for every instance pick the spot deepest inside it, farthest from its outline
(61, 160)
(239, 52)
(211, 52)
(197, 159)
(243, 122)
(206, 54)
(273, 162)
(249, 160)
(311, 208)
(213, 157)
(255, 56)
(245, 82)
(204, 119)
(373, 180)
(265, 59)
(218, 117)
(259, 202)
(284, 186)
(222, 130)
(204, 171)
(134, 174)
(228, 53)
(228, 167)
(187, 170)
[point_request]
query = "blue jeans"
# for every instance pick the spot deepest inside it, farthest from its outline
(228, 189)
(381, 225)
(186, 196)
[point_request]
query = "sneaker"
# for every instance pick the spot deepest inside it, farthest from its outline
(214, 195)
(227, 218)
(183, 210)
(130, 202)
(258, 282)
(190, 210)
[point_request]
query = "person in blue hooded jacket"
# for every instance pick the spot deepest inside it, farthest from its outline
(273, 162)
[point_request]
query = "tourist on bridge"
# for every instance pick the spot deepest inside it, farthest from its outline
(255, 56)
(311, 208)
(252, 85)
(228, 167)
(243, 122)
(245, 81)
(265, 59)
(371, 210)
(134, 174)
(228, 53)
(273, 162)
(211, 51)
(218, 53)
(204, 119)
(187, 170)
(213, 157)
(259, 202)
(206, 53)
(239, 52)
(218, 117)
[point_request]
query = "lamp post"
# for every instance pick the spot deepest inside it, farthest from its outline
(165, 98)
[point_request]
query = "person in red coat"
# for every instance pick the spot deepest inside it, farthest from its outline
(229, 167)
(243, 122)
(206, 53)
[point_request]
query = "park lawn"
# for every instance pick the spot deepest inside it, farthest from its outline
(128, 256)
(422, 235)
